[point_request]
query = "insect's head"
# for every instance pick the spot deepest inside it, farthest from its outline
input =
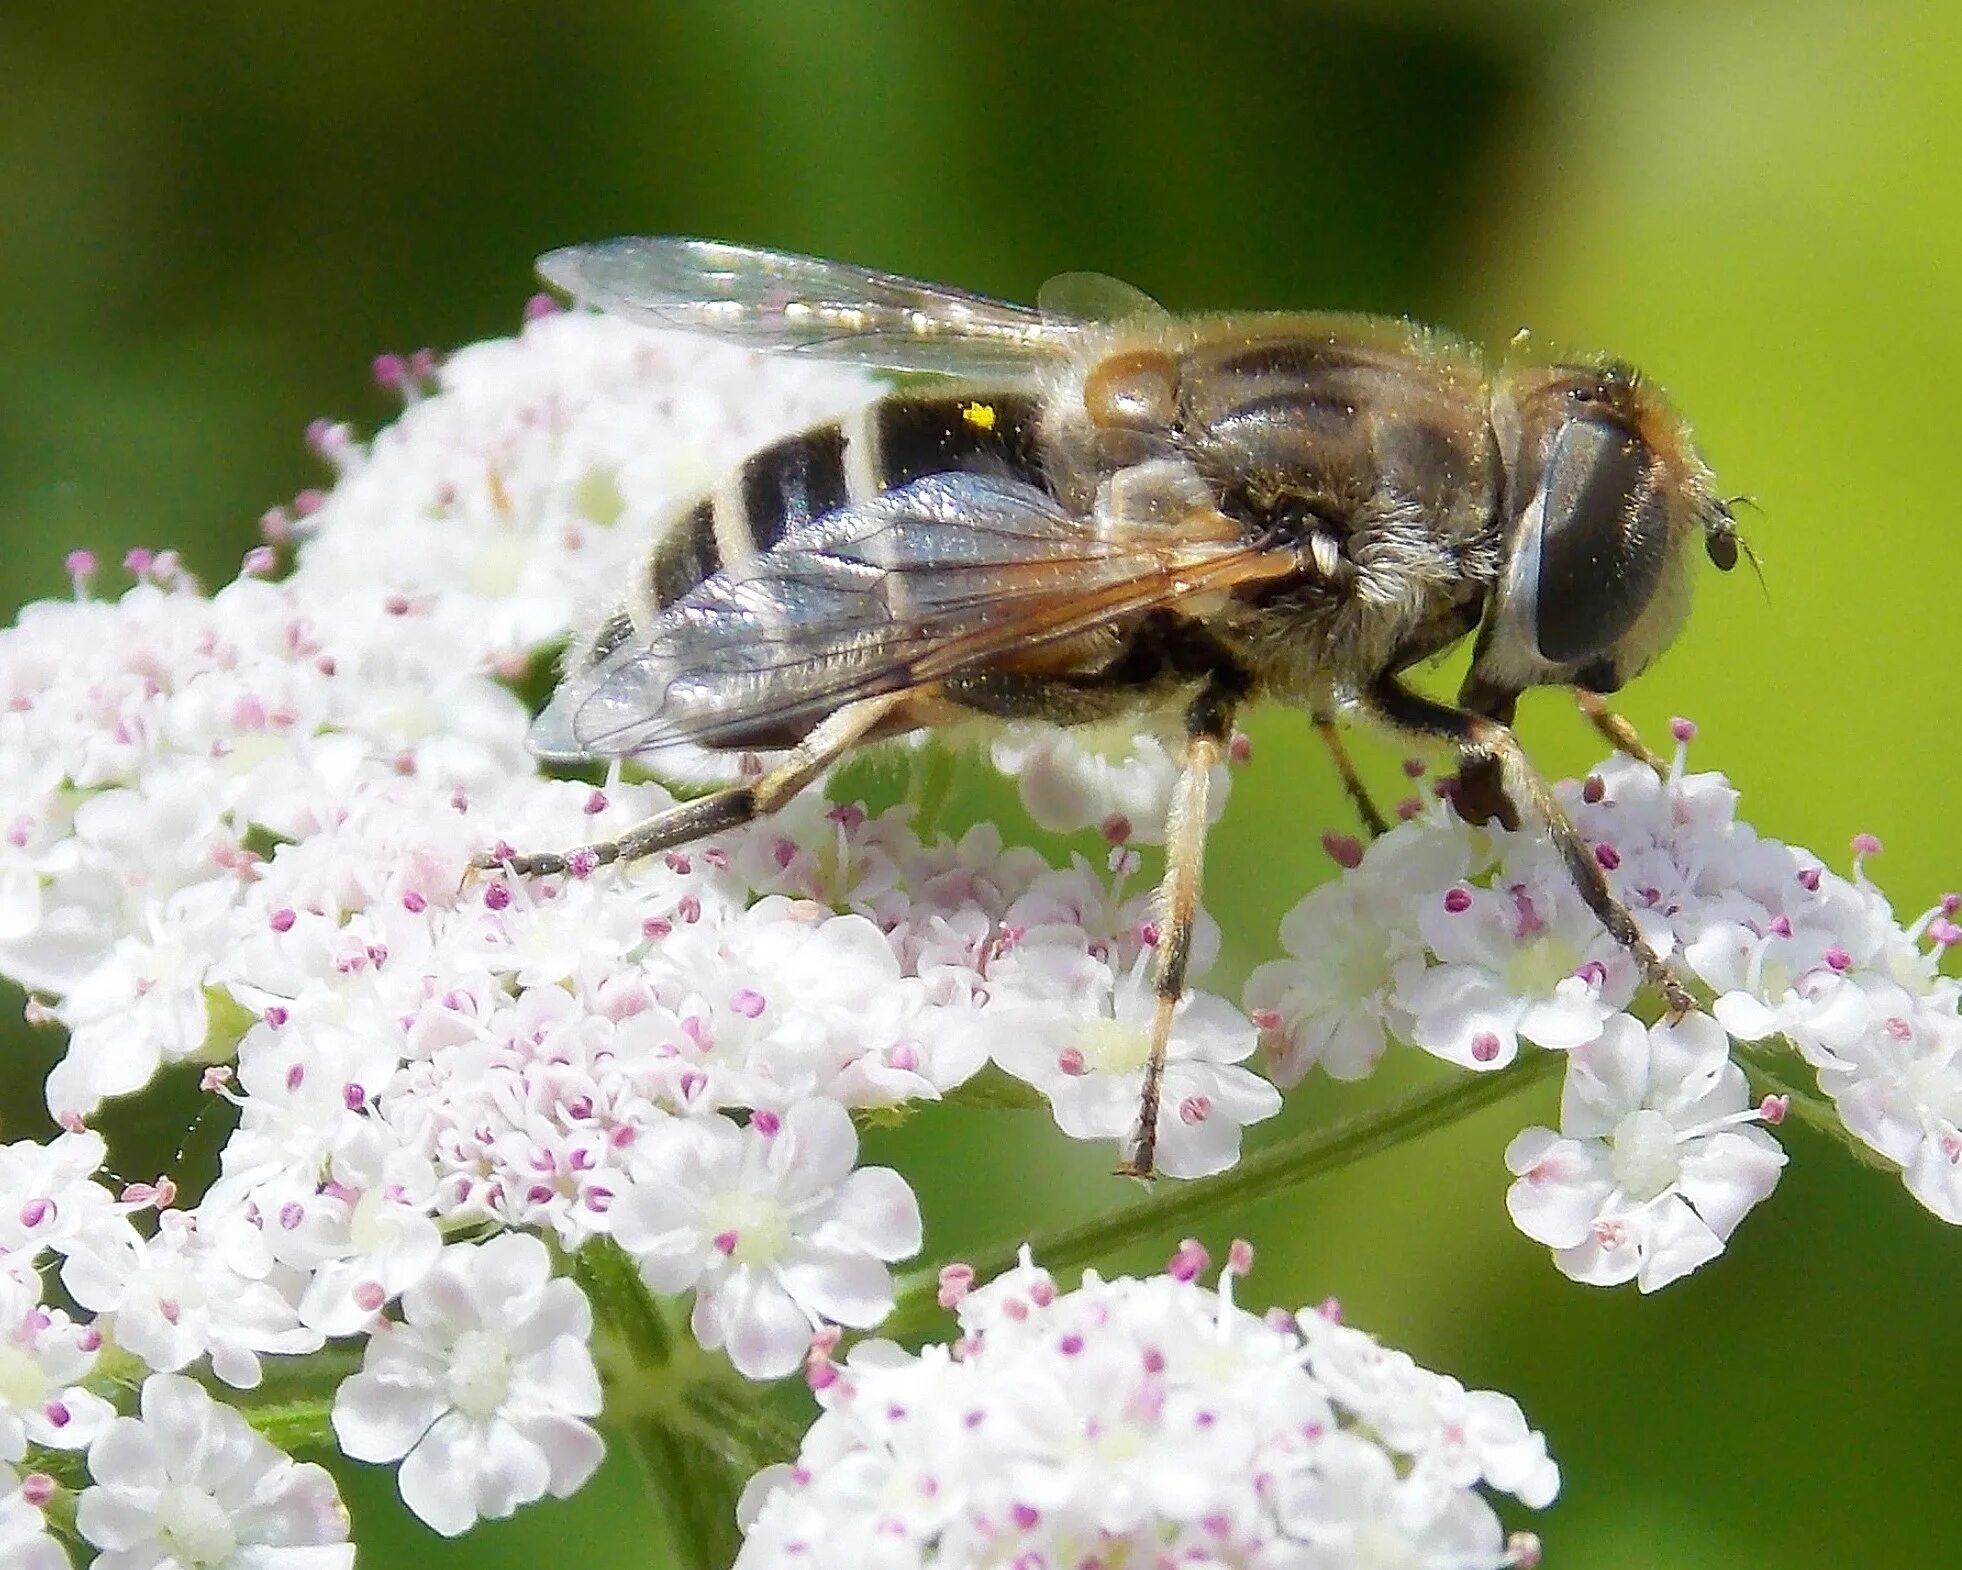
(1606, 503)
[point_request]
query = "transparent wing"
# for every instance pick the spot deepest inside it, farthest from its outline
(800, 305)
(934, 579)
(1081, 298)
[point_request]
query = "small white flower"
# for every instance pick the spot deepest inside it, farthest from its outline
(1899, 1088)
(1332, 1002)
(770, 1226)
(1516, 960)
(141, 1007)
(1655, 1162)
(1777, 981)
(1353, 1510)
(1458, 1437)
(44, 1359)
(183, 1299)
(189, 1486)
(1087, 1054)
(25, 1543)
(1329, 1003)
(364, 1240)
(49, 1199)
(483, 1391)
(1092, 776)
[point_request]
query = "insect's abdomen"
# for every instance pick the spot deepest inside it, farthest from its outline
(800, 479)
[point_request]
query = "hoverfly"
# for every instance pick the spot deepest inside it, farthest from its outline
(1111, 510)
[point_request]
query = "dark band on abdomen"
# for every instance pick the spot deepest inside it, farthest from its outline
(802, 478)
(794, 482)
(686, 554)
(977, 433)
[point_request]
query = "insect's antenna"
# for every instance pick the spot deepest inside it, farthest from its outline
(1757, 566)
(1731, 504)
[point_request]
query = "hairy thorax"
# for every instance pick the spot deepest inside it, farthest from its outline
(1362, 446)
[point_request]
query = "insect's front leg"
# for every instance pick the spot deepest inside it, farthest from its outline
(1208, 726)
(1620, 735)
(1492, 752)
(1480, 795)
(726, 809)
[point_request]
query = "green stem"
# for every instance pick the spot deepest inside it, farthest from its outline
(932, 784)
(697, 1428)
(622, 1305)
(1770, 1064)
(1181, 1206)
(735, 1420)
(696, 1490)
(303, 1424)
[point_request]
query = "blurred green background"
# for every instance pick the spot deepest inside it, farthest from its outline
(211, 216)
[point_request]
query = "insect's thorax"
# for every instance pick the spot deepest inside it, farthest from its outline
(1365, 443)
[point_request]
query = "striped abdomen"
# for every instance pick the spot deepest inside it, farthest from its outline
(793, 482)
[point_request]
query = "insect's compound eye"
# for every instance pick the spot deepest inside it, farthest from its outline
(1721, 547)
(1602, 539)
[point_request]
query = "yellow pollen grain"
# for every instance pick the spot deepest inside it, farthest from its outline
(979, 415)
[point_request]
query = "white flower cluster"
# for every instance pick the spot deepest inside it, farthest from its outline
(186, 1482)
(1468, 942)
(1147, 1421)
(238, 836)
(237, 832)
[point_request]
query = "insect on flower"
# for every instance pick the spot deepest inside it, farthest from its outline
(1110, 510)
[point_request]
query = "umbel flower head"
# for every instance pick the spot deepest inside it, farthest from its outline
(236, 841)
(1147, 1419)
(1471, 944)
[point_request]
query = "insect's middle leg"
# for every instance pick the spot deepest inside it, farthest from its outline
(1491, 745)
(726, 809)
(1208, 725)
(1352, 782)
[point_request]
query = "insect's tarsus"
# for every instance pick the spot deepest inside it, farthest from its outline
(1352, 782)
(725, 809)
(1617, 731)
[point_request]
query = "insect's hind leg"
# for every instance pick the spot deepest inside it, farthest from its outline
(726, 809)
(1491, 744)
(1208, 725)
(1620, 735)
